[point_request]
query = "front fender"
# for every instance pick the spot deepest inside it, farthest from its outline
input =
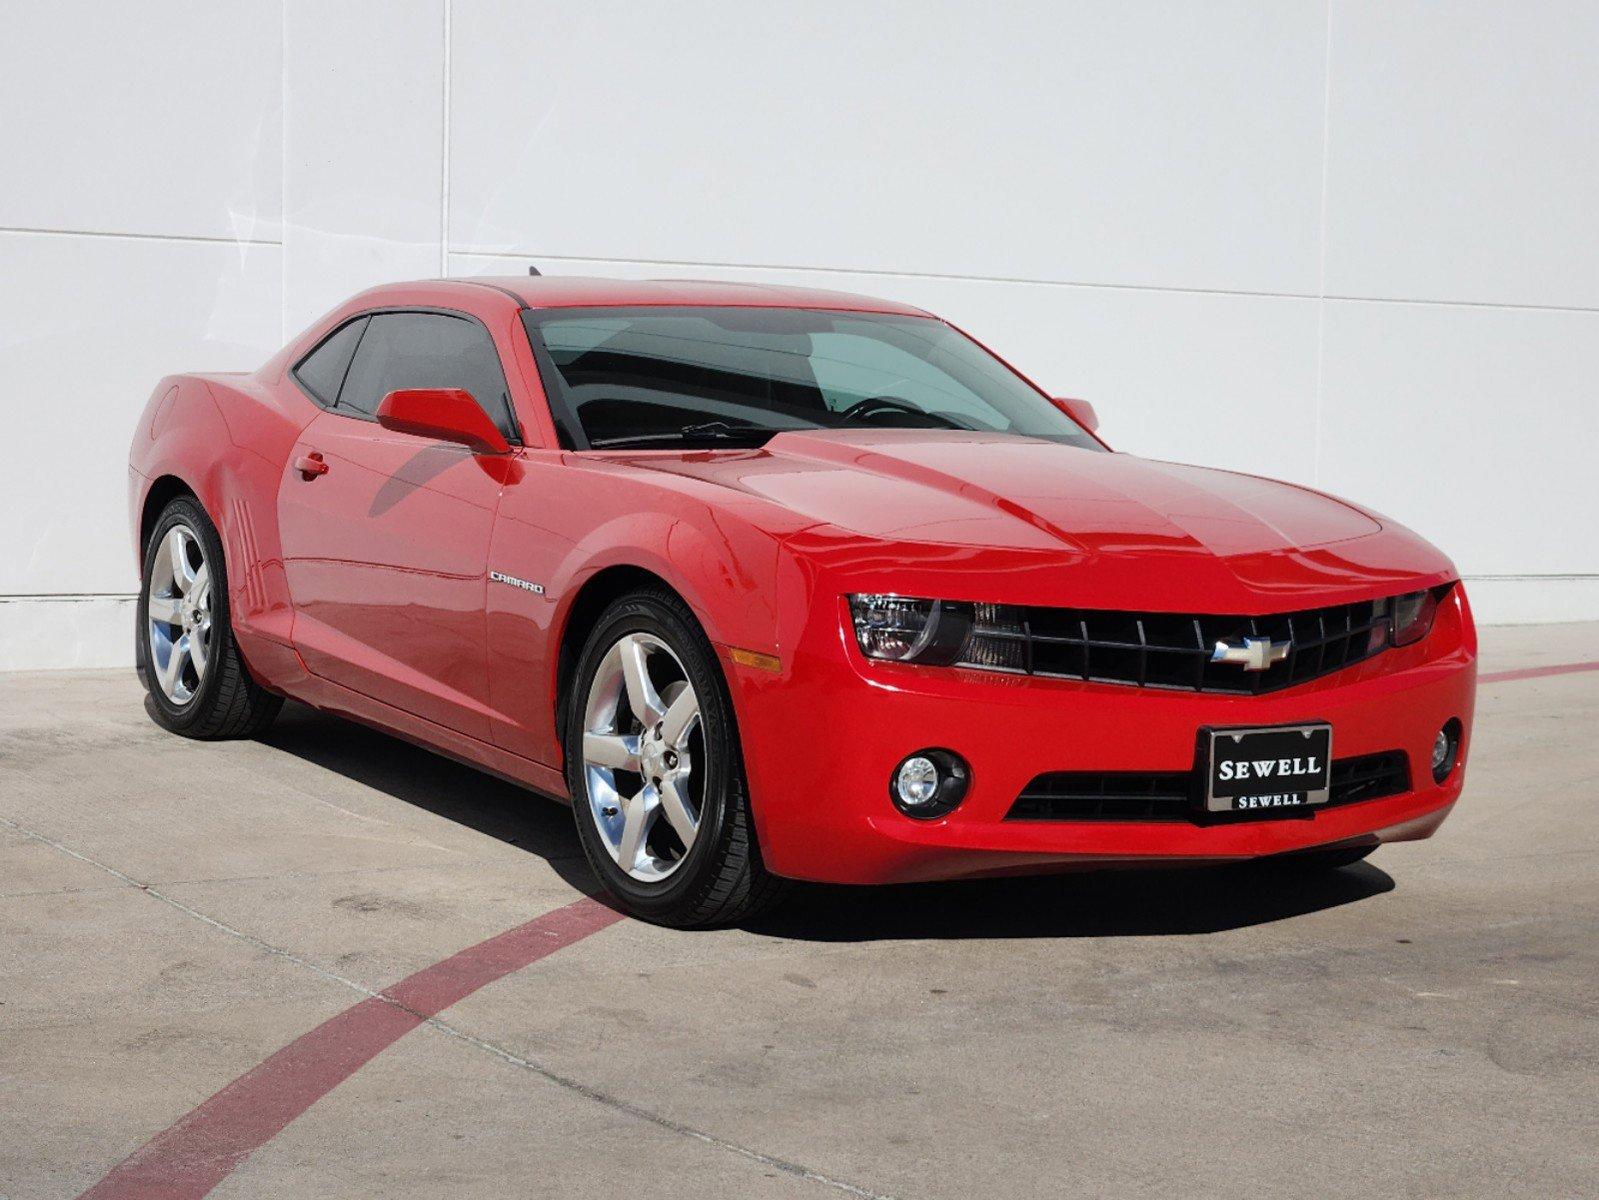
(723, 570)
(558, 527)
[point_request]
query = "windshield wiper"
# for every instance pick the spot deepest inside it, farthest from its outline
(703, 431)
(719, 429)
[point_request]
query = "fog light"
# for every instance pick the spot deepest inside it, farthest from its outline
(929, 783)
(1445, 750)
(917, 781)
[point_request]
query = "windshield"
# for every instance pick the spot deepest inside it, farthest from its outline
(668, 378)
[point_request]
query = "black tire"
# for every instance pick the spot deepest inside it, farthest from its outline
(1313, 862)
(228, 702)
(721, 880)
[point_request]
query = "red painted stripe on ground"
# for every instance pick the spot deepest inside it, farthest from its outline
(194, 1155)
(1536, 672)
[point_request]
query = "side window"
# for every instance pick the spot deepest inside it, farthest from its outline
(321, 372)
(418, 350)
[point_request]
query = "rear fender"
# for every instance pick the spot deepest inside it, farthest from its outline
(186, 434)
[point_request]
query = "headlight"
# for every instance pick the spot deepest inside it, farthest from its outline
(1413, 613)
(900, 629)
(939, 632)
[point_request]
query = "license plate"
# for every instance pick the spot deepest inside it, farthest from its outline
(1268, 769)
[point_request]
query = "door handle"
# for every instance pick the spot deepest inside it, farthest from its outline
(310, 466)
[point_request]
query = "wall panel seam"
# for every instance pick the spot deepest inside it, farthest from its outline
(199, 238)
(1428, 302)
(444, 154)
(1321, 237)
(283, 166)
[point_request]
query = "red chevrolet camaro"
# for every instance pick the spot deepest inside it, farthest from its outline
(777, 584)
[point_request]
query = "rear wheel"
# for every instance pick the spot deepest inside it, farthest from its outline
(187, 659)
(654, 770)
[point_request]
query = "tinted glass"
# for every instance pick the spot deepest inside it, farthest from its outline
(709, 376)
(322, 371)
(418, 350)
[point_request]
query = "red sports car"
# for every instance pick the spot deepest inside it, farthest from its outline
(778, 584)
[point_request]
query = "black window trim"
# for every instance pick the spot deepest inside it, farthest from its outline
(513, 434)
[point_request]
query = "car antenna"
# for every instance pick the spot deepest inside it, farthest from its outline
(532, 270)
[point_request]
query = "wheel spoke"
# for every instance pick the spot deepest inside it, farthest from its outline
(202, 586)
(178, 556)
(636, 820)
(164, 609)
(680, 718)
(675, 806)
(614, 750)
(172, 673)
(641, 695)
(198, 651)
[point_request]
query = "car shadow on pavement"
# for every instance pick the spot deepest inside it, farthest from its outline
(1099, 903)
(430, 781)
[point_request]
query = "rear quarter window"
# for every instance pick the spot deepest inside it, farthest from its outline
(322, 371)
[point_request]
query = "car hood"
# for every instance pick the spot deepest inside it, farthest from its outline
(996, 490)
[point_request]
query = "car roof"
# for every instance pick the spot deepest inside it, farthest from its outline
(578, 291)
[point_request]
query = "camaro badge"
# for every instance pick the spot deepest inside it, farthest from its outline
(1251, 653)
(500, 577)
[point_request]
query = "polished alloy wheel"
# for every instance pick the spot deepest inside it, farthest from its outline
(641, 737)
(178, 609)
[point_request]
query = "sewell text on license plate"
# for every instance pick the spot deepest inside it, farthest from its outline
(1273, 767)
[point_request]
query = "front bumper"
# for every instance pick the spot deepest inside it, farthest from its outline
(821, 741)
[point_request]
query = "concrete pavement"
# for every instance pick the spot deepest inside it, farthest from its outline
(173, 913)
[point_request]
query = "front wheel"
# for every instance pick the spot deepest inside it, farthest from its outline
(653, 766)
(198, 683)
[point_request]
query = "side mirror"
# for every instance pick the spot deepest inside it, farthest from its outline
(1080, 411)
(443, 414)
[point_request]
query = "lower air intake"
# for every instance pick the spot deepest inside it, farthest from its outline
(1169, 795)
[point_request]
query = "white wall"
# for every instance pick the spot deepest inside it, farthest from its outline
(1348, 243)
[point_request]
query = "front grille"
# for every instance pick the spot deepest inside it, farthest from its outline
(1170, 795)
(1172, 650)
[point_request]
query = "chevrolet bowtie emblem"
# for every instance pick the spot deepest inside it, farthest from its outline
(1251, 653)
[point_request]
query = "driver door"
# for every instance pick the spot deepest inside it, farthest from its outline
(386, 535)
